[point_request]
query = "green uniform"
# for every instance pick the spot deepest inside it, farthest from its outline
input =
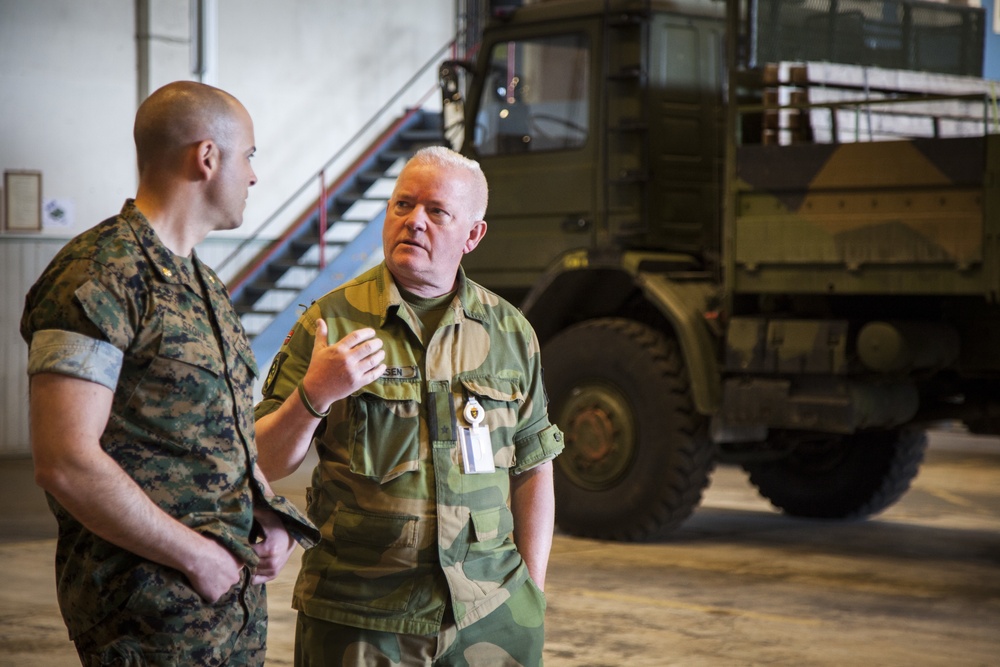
(410, 540)
(116, 307)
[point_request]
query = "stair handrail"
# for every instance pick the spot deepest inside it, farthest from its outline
(241, 277)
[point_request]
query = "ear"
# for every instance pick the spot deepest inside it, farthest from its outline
(207, 156)
(476, 235)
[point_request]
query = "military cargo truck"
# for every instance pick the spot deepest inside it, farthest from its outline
(759, 232)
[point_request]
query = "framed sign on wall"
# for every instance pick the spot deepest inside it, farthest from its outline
(22, 193)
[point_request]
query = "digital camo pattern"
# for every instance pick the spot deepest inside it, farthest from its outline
(181, 420)
(166, 624)
(404, 529)
(76, 355)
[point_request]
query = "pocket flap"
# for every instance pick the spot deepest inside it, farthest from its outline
(492, 524)
(391, 390)
(499, 389)
(246, 354)
(192, 351)
(376, 530)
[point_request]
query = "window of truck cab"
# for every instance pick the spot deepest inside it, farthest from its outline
(535, 96)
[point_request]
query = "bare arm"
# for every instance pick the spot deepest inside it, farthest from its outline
(533, 504)
(68, 416)
(335, 371)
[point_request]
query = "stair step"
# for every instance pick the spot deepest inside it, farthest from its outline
(261, 288)
(348, 199)
(398, 153)
(418, 135)
(307, 241)
(246, 309)
(286, 264)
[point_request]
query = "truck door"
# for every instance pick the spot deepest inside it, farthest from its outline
(531, 130)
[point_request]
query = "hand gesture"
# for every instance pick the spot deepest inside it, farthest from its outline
(336, 371)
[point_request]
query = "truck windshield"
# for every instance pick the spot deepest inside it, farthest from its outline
(535, 96)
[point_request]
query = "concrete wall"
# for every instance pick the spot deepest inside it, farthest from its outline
(311, 72)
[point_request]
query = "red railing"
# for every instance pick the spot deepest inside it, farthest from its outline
(265, 255)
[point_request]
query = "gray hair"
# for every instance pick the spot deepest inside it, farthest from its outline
(440, 156)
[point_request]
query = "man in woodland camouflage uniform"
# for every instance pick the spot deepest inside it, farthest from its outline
(141, 410)
(434, 446)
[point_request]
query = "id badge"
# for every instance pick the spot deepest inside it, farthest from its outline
(477, 450)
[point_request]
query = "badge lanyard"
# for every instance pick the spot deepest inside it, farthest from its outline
(477, 450)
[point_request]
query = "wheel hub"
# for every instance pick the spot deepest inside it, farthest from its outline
(592, 435)
(600, 436)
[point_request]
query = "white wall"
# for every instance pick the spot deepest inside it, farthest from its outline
(311, 73)
(67, 76)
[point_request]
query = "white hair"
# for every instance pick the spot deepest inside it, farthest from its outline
(442, 156)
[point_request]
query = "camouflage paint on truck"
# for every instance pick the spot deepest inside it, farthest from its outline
(904, 217)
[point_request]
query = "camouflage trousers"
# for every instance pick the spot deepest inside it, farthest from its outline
(511, 636)
(167, 624)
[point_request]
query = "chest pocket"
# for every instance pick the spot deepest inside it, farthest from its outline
(186, 373)
(385, 429)
(501, 399)
(184, 381)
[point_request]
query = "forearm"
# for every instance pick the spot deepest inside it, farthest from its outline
(102, 497)
(68, 416)
(327, 373)
(533, 506)
(284, 437)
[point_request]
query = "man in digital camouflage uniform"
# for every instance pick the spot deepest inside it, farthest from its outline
(426, 470)
(142, 413)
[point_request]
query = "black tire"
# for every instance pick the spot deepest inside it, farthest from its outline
(840, 477)
(637, 457)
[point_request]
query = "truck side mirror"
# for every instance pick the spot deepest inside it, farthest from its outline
(452, 100)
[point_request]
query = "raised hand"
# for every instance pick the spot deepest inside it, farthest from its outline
(337, 370)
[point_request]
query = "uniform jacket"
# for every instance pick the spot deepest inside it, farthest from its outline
(116, 307)
(405, 530)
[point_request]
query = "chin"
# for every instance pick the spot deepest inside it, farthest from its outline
(228, 225)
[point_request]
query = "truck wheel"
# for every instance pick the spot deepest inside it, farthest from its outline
(637, 457)
(840, 477)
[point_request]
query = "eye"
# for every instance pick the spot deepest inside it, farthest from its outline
(439, 214)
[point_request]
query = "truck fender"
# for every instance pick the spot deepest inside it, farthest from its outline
(684, 305)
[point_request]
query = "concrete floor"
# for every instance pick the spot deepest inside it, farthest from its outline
(739, 584)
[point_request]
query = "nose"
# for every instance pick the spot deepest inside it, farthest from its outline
(417, 220)
(253, 177)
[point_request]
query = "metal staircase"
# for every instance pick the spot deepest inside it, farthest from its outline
(300, 266)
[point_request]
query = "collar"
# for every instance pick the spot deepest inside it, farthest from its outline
(390, 299)
(165, 264)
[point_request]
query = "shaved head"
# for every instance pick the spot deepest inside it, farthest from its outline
(181, 114)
